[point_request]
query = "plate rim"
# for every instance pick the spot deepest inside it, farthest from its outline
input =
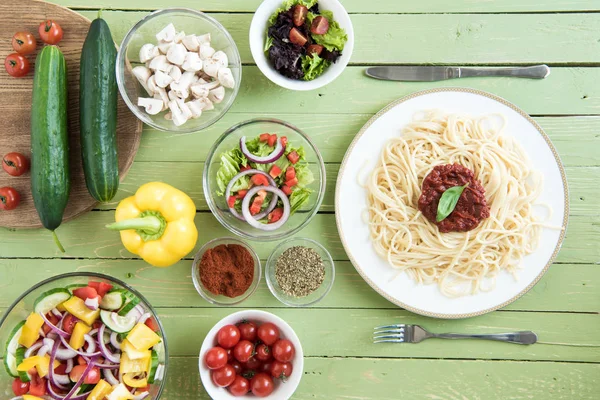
(502, 101)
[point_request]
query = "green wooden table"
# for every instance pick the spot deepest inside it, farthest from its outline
(341, 362)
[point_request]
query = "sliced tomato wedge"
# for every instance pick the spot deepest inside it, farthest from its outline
(241, 193)
(275, 171)
(284, 141)
(231, 201)
(286, 189)
(264, 137)
(37, 386)
(259, 180)
(152, 324)
(275, 215)
(293, 157)
(86, 292)
(244, 168)
(272, 140)
(292, 182)
(258, 202)
(290, 173)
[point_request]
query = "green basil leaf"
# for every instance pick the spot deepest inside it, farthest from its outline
(448, 202)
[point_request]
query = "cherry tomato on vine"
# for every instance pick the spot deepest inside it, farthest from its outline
(16, 65)
(262, 385)
(247, 330)
(223, 377)
(228, 336)
(9, 198)
(50, 32)
(268, 333)
(23, 43)
(216, 358)
(240, 386)
(281, 370)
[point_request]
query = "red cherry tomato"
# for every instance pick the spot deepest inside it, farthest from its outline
(263, 352)
(262, 385)
(281, 370)
(237, 366)
(16, 65)
(223, 377)
(283, 350)
(266, 367)
(23, 43)
(91, 378)
(240, 386)
(9, 198)
(268, 333)
(228, 336)
(216, 358)
(19, 387)
(253, 364)
(50, 32)
(247, 329)
(37, 386)
(15, 164)
(230, 355)
(243, 351)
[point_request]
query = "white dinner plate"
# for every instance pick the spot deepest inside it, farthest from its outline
(351, 201)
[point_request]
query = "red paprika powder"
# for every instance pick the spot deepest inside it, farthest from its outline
(227, 269)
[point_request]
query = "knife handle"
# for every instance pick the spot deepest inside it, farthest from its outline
(535, 72)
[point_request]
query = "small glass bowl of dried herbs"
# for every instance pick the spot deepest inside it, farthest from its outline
(300, 272)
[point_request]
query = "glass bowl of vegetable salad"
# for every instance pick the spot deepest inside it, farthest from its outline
(101, 337)
(264, 179)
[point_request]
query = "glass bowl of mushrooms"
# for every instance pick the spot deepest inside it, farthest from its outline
(178, 70)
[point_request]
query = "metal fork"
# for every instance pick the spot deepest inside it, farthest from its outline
(401, 333)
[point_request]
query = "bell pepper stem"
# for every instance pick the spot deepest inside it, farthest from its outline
(149, 224)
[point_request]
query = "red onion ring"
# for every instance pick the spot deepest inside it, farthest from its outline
(110, 377)
(69, 365)
(274, 156)
(54, 328)
(114, 341)
(261, 214)
(115, 358)
(81, 353)
(51, 375)
(258, 225)
(81, 379)
(33, 348)
(56, 313)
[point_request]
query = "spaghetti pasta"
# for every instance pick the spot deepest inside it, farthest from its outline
(460, 263)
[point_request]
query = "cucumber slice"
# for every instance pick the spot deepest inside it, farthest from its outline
(153, 366)
(84, 388)
(117, 323)
(132, 301)
(20, 356)
(50, 299)
(10, 361)
(74, 286)
(114, 300)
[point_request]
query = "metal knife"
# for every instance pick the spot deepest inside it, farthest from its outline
(435, 73)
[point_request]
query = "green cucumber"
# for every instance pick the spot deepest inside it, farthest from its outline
(153, 366)
(20, 356)
(12, 344)
(113, 300)
(98, 112)
(50, 184)
(117, 323)
(132, 301)
(50, 299)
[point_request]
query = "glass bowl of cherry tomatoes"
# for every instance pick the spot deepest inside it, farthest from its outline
(251, 352)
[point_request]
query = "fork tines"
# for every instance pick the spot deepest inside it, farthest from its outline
(389, 334)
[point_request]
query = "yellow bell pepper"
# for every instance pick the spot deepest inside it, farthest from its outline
(119, 392)
(157, 223)
(42, 364)
(30, 397)
(77, 307)
(78, 336)
(61, 307)
(100, 391)
(131, 381)
(142, 337)
(31, 330)
(138, 366)
(132, 352)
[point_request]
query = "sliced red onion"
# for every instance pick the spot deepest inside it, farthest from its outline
(44, 350)
(33, 348)
(93, 332)
(114, 341)
(110, 378)
(80, 380)
(233, 180)
(69, 351)
(115, 358)
(141, 396)
(56, 313)
(52, 336)
(136, 312)
(144, 318)
(59, 382)
(91, 344)
(258, 225)
(274, 156)
(42, 333)
(69, 365)
(160, 372)
(54, 328)
(109, 366)
(92, 304)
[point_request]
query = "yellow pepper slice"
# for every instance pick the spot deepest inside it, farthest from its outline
(138, 366)
(78, 336)
(42, 364)
(100, 391)
(132, 352)
(30, 397)
(77, 307)
(142, 337)
(157, 223)
(131, 381)
(31, 330)
(61, 307)
(119, 392)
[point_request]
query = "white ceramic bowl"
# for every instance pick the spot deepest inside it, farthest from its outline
(283, 390)
(258, 29)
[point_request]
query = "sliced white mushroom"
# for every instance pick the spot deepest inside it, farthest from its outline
(226, 78)
(217, 94)
(206, 104)
(174, 72)
(163, 47)
(221, 58)
(191, 43)
(201, 76)
(151, 105)
(143, 74)
(202, 39)
(177, 115)
(162, 79)
(185, 110)
(199, 90)
(148, 52)
(172, 95)
(207, 85)
(169, 116)
(152, 87)
(161, 94)
(176, 54)
(160, 63)
(205, 51)
(179, 37)
(182, 88)
(192, 62)
(195, 107)
(167, 34)
(211, 67)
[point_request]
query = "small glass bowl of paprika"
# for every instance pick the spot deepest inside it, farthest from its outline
(226, 271)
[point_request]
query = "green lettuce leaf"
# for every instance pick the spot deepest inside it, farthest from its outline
(313, 66)
(335, 38)
(230, 167)
(287, 4)
(298, 198)
(304, 175)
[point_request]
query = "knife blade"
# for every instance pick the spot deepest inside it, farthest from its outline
(440, 73)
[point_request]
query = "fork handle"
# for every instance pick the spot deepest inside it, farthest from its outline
(523, 337)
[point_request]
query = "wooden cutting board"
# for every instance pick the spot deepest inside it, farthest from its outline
(15, 108)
